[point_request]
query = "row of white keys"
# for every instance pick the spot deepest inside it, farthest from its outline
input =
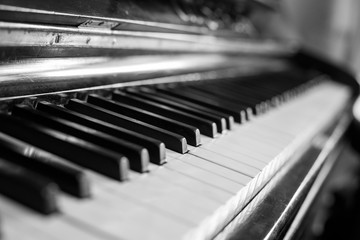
(302, 118)
(206, 165)
(263, 141)
(174, 200)
(121, 216)
(118, 209)
(109, 214)
(317, 104)
(209, 176)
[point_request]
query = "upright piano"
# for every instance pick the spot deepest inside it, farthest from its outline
(178, 119)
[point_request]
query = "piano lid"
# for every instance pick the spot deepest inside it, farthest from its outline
(92, 28)
(58, 42)
(194, 16)
(188, 39)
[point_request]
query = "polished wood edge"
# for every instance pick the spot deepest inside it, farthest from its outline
(324, 166)
(51, 76)
(55, 39)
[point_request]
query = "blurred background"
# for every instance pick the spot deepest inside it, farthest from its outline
(329, 27)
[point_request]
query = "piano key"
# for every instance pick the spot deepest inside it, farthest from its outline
(69, 179)
(182, 102)
(206, 127)
(120, 215)
(73, 149)
(221, 160)
(211, 167)
(217, 101)
(192, 184)
(234, 98)
(229, 145)
(320, 107)
(251, 92)
(154, 194)
(191, 133)
(272, 94)
(28, 188)
(112, 215)
(21, 231)
(254, 97)
(239, 116)
(110, 196)
(219, 120)
(257, 88)
(203, 175)
(159, 193)
(34, 226)
(234, 155)
(138, 156)
(156, 148)
(172, 141)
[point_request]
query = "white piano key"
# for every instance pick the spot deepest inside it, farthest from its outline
(256, 131)
(228, 152)
(22, 231)
(215, 168)
(191, 184)
(213, 146)
(158, 193)
(38, 226)
(245, 150)
(175, 200)
(225, 162)
(120, 215)
(203, 175)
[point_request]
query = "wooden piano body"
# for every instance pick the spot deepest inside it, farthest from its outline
(244, 179)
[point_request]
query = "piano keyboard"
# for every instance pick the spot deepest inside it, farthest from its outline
(176, 161)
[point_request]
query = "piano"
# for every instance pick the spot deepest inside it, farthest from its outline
(181, 119)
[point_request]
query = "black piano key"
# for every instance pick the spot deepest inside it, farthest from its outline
(233, 98)
(69, 179)
(156, 148)
(259, 104)
(238, 115)
(137, 155)
(182, 102)
(71, 148)
(28, 188)
(271, 86)
(191, 133)
(270, 100)
(214, 99)
(172, 141)
(234, 87)
(251, 91)
(220, 121)
(206, 127)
